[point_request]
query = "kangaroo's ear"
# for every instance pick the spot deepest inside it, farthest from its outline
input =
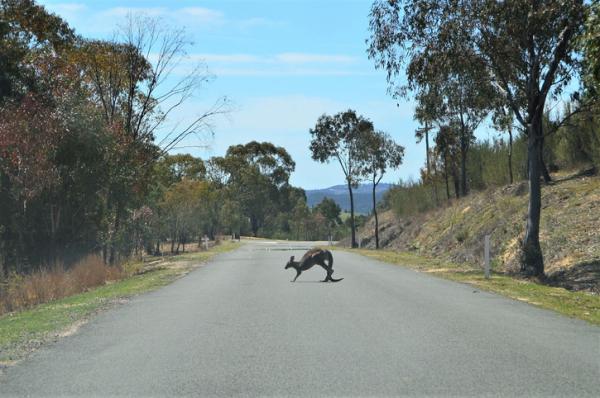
(292, 258)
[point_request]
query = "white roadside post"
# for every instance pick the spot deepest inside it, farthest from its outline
(487, 256)
(205, 240)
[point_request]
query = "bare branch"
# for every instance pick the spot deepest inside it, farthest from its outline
(220, 107)
(565, 120)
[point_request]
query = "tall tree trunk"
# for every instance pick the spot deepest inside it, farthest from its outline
(532, 262)
(112, 258)
(376, 219)
(456, 182)
(352, 225)
(431, 181)
(464, 145)
(54, 226)
(510, 153)
(545, 174)
(427, 148)
(7, 252)
(254, 226)
(446, 176)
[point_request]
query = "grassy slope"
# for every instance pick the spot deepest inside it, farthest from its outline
(580, 305)
(569, 233)
(24, 331)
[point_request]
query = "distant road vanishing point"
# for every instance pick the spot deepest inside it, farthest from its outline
(237, 326)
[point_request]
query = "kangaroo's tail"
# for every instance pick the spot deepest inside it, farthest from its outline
(330, 261)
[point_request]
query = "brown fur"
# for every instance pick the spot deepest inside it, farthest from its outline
(315, 256)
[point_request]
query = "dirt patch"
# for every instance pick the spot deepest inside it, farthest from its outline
(72, 329)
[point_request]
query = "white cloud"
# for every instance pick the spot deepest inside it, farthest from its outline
(281, 58)
(68, 7)
(282, 114)
(198, 17)
(121, 12)
(226, 58)
(258, 22)
(95, 22)
(282, 64)
(284, 72)
(201, 12)
(303, 58)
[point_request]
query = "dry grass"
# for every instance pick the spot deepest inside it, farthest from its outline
(25, 291)
(20, 292)
(568, 230)
(24, 331)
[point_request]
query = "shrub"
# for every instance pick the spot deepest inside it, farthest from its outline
(25, 291)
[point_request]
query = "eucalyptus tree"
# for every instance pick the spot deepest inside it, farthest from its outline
(380, 153)
(525, 49)
(256, 173)
(340, 138)
(425, 114)
(330, 212)
(447, 149)
(449, 82)
(27, 28)
(591, 49)
(503, 120)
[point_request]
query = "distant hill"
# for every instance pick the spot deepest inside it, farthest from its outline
(339, 193)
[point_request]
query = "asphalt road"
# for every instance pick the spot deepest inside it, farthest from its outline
(239, 327)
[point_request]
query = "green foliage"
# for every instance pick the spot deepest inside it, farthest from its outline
(256, 175)
(577, 143)
(330, 210)
(24, 26)
(410, 197)
(591, 49)
(519, 54)
(342, 137)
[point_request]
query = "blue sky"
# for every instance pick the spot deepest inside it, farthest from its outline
(282, 63)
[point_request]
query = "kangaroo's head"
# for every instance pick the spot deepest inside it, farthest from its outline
(290, 263)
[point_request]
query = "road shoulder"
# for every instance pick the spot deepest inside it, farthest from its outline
(580, 305)
(23, 332)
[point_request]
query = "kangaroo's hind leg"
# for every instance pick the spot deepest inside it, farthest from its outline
(329, 271)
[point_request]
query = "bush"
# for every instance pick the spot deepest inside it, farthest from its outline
(25, 291)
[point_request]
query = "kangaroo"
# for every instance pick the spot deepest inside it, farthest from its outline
(313, 257)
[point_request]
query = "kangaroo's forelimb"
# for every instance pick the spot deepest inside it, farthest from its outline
(298, 272)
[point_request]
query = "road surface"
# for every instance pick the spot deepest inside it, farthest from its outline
(237, 326)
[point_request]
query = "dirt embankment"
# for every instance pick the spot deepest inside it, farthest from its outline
(570, 230)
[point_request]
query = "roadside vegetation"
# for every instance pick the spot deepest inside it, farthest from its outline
(24, 331)
(531, 72)
(529, 68)
(455, 232)
(88, 175)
